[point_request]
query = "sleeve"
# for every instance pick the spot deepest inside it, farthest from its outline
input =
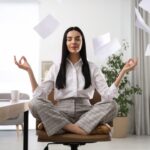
(46, 86)
(107, 93)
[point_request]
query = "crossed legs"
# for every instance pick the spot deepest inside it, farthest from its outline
(85, 124)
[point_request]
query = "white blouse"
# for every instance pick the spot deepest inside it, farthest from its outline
(75, 83)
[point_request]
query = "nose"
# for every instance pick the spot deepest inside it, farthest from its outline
(73, 40)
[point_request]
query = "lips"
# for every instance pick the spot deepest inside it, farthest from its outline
(74, 47)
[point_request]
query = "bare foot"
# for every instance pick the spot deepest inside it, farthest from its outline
(102, 129)
(40, 126)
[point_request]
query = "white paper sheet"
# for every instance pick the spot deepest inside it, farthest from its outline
(140, 23)
(100, 41)
(106, 50)
(145, 4)
(47, 26)
(147, 52)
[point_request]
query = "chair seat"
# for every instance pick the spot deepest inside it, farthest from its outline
(100, 133)
(68, 137)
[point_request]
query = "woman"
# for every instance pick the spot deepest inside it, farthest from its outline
(74, 82)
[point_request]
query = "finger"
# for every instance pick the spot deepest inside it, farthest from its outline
(20, 61)
(24, 58)
(130, 60)
(15, 60)
(135, 62)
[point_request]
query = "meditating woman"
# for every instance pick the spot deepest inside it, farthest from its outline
(74, 81)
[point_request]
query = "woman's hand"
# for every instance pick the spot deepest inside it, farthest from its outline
(130, 65)
(22, 63)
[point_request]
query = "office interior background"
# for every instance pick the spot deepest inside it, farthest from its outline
(95, 17)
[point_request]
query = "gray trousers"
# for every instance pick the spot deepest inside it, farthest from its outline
(73, 110)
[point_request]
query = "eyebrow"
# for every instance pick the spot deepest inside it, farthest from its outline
(73, 37)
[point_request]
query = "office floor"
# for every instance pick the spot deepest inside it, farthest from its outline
(10, 141)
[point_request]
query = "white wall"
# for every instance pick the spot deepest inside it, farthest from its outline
(94, 17)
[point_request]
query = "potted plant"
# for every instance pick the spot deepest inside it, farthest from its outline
(125, 92)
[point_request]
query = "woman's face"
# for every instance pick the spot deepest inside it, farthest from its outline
(74, 41)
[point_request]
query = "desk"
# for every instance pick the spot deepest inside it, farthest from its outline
(8, 110)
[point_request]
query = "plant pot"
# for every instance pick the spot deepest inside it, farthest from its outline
(120, 127)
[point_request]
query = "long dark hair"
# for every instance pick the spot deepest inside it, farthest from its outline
(61, 77)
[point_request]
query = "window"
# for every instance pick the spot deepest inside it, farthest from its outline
(17, 37)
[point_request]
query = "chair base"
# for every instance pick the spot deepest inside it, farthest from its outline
(73, 146)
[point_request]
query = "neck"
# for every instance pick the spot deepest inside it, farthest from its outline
(74, 58)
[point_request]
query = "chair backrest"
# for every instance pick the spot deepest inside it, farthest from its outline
(23, 96)
(96, 98)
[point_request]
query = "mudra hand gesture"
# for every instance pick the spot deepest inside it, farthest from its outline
(22, 63)
(130, 65)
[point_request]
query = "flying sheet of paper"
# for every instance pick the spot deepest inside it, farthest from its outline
(145, 4)
(103, 51)
(47, 26)
(100, 41)
(140, 22)
(147, 53)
